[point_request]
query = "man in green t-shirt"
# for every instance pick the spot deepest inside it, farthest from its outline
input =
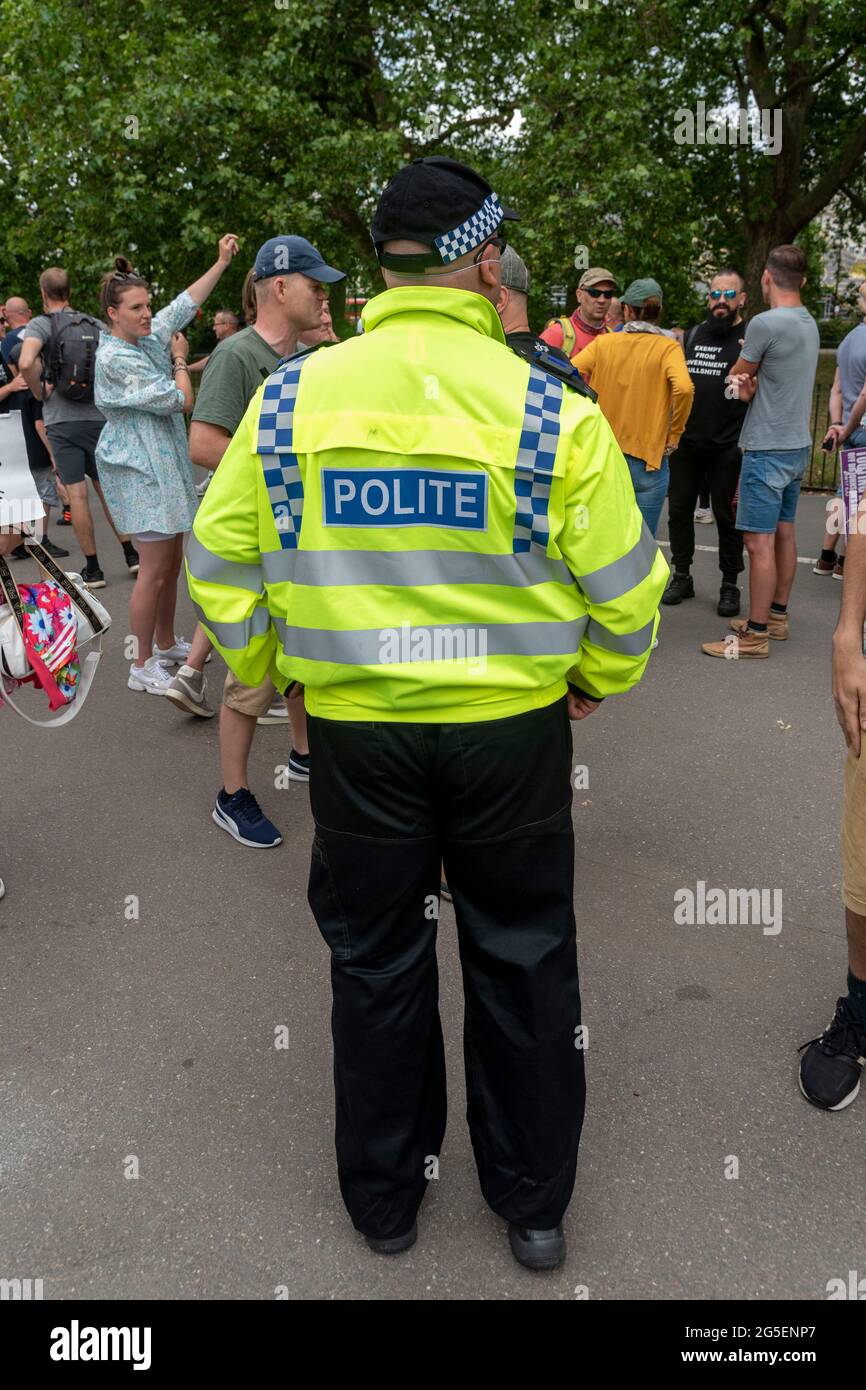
(291, 283)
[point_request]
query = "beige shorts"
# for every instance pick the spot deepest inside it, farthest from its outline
(854, 833)
(248, 699)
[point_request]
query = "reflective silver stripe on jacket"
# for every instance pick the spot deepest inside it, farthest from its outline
(627, 643)
(320, 568)
(415, 568)
(615, 579)
(236, 636)
(369, 646)
(213, 569)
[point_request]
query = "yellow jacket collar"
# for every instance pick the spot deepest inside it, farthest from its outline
(471, 309)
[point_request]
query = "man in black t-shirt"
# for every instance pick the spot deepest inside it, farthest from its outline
(708, 447)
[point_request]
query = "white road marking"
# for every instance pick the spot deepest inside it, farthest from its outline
(714, 549)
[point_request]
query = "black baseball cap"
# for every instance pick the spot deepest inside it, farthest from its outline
(441, 203)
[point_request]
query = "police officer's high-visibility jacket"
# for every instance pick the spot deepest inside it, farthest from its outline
(419, 525)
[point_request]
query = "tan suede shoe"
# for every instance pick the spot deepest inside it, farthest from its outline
(739, 648)
(777, 626)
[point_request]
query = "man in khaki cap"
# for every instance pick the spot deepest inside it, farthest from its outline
(595, 291)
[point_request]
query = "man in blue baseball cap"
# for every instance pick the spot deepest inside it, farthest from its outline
(291, 283)
(293, 255)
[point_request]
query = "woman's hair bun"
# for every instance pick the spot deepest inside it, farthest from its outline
(122, 266)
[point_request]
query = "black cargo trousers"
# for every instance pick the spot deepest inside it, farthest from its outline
(691, 466)
(493, 801)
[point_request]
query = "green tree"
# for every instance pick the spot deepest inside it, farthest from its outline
(149, 131)
(609, 91)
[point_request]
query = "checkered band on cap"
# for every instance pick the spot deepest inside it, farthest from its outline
(533, 471)
(279, 461)
(471, 233)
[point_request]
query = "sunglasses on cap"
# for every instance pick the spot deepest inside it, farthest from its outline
(728, 294)
(599, 294)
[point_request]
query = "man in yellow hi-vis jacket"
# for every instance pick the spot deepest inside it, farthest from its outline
(441, 543)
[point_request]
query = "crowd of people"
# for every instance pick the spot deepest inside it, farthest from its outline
(717, 413)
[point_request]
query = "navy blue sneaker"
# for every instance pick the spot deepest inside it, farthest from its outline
(241, 815)
(299, 767)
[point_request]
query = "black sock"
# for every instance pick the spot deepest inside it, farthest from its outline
(729, 579)
(840, 561)
(857, 997)
(128, 548)
(682, 574)
(91, 562)
(778, 607)
(828, 556)
(756, 627)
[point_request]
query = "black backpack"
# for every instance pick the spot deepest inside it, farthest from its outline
(71, 354)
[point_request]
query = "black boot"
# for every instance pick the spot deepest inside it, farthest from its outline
(680, 587)
(537, 1249)
(393, 1245)
(729, 601)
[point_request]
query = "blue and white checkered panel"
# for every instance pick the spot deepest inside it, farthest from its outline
(536, 453)
(471, 233)
(279, 463)
(277, 412)
(286, 495)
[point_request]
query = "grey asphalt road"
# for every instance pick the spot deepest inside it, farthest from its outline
(150, 1043)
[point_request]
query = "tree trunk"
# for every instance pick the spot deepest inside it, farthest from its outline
(761, 240)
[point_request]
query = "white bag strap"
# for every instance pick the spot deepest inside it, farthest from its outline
(88, 671)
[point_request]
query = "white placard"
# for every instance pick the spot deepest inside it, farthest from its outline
(19, 500)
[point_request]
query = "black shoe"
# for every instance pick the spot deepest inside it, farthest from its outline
(681, 586)
(393, 1245)
(93, 578)
(831, 1064)
(729, 601)
(19, 553)
(537, 1249)
(56, 551)
(66, 519)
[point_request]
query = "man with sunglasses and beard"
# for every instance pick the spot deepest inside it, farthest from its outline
(708, 448)
(595, 295)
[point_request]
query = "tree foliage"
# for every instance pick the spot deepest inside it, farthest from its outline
(148, 130)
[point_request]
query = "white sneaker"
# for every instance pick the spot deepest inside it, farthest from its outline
(152, 677)
(178, 654)
(277, 714)
(704, 515)
(203, 486)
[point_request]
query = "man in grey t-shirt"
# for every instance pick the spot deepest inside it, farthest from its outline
(775, 372)
(72, 426)
(848, 395)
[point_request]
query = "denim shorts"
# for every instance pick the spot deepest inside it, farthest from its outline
(770, 487)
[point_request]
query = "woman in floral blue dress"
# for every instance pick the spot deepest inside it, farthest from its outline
(143, 388)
